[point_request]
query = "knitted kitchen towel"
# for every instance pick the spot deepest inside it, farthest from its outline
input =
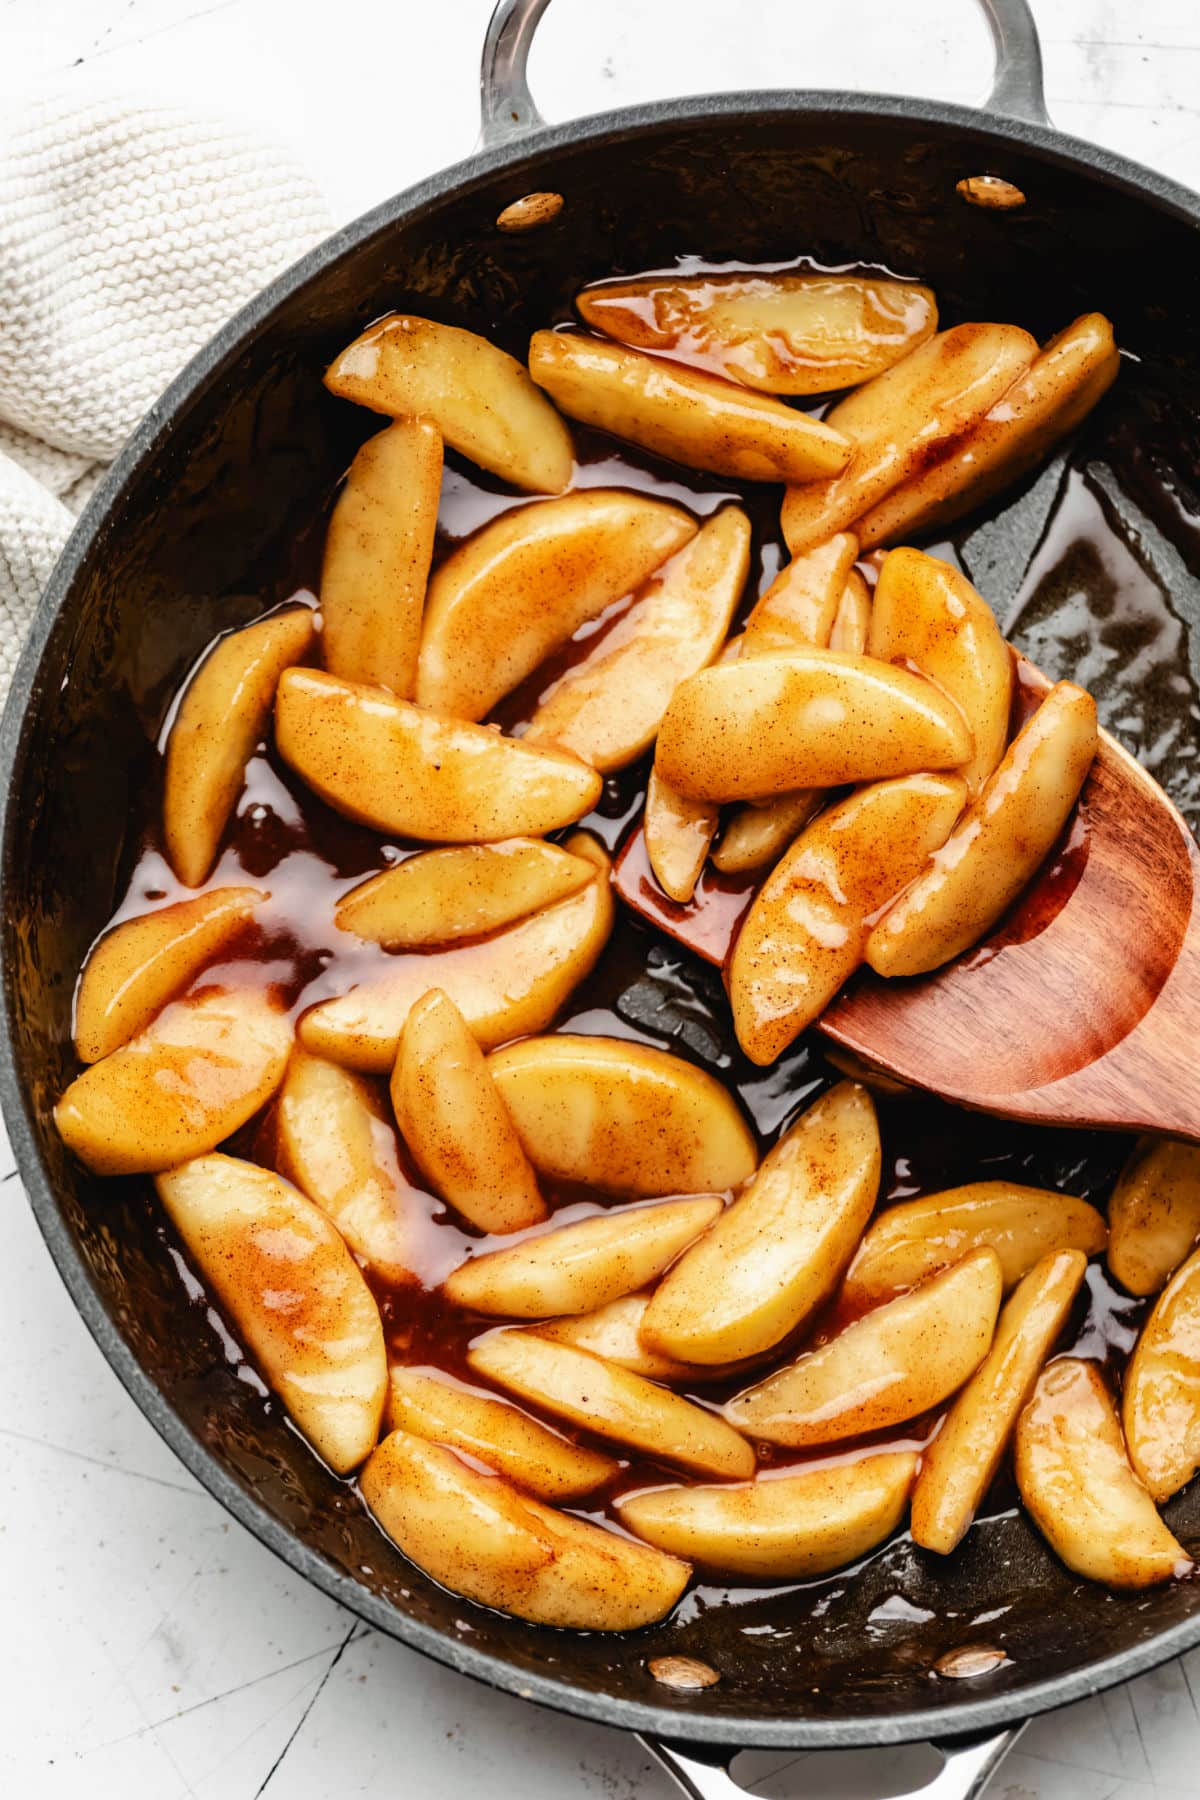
(129, 231)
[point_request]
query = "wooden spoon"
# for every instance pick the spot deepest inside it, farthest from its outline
(1083, 1006)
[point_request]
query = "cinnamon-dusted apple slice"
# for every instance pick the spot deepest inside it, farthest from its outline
(781, 334)
(678, 832)
(1154, 1214)
(1057, 391)
(780, 1527)
(581, 1266)
(898, 422)
(222, 717)
(481, 400)
(504, 986)
(623, 1117)
(909, 1242)
(814, 718)
(998, 845)
(390, 765)
(770, 1260)
(757, 835)
(684, 414)
(852, 623)
(138, 966)
(1161, 1403)
(456, 1124)
(806, 931)
(434, 1406)
(481, 1537)
(525, 584)
(198, 1071)
(1075, 1478)
(928, 615)
(898, 1361)
(335, 1141)
(464, 891)
(606, 708)
(610, 1401)
(295, 1294)
(799, 608)
(614, 1332)
(958, 1468)
(378, 549)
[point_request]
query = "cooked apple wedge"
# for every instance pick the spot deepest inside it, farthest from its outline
(1075, 1478)
(683, 414)
(806, 931)
(504, 986)
(295, 1294)
(910, 1242)
(757, 835)
(525, 584)
(464, 891)
(929, 616)
(677, 835)
(797, 611)
(815, 718)
(581, 1266)
(894, 1363)
(222, 717)
(606, 708)
(1161, 1404)
(781, 334)
(781, 1527)
(481, 400)
(1055, 393)
(456, 1124)
(623, 1117)
(139, 966)
(958, 1468)
(769, 1261)
(998, 845)
(898, 422)
(392, 766)
(180, 1087)
(852, 624)
(335, 1142)
(436, 1407)
(613, 1332)
(610, 1401)
(1154, 1214)
(481, 1537)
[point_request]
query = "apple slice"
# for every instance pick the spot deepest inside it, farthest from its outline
(579, 1267)
(222, 717)
(958, 1468)
(1075, 1478)
(798, 610)
(481, 400)
(396, 768)
(807, 931)
(852, 625)
(295, 1294)
(780, 1527)
(204, 1066)
(378, 549)
(610, 1401)
(136, 968)
(781, 334)
(606, 708)
(898, 422)
(623, 1117)
(456, 1124)
(1161, 1407)
(481, 1537)
(757, 835)
(436, 1407)
(525, 584)
(898, 1361)
(677, 832)
(683, 414)
(461, 892)
(1154, 1214)
(613, 1332)
(779, 1250)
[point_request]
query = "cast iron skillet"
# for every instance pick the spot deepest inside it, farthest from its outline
(188, 535)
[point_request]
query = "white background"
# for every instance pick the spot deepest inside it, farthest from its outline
(150, 1647)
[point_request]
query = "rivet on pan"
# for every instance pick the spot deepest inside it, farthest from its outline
(530, 212)
(682, 1672)
(968, 1661)
(990, 191)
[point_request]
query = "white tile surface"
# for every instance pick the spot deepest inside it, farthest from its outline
(151, 1648)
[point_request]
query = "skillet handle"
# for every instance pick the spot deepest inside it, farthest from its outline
(968, 1765)
(509, 110)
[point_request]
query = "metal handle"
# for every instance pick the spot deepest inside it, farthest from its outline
(968, 1765)
(508, 108)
